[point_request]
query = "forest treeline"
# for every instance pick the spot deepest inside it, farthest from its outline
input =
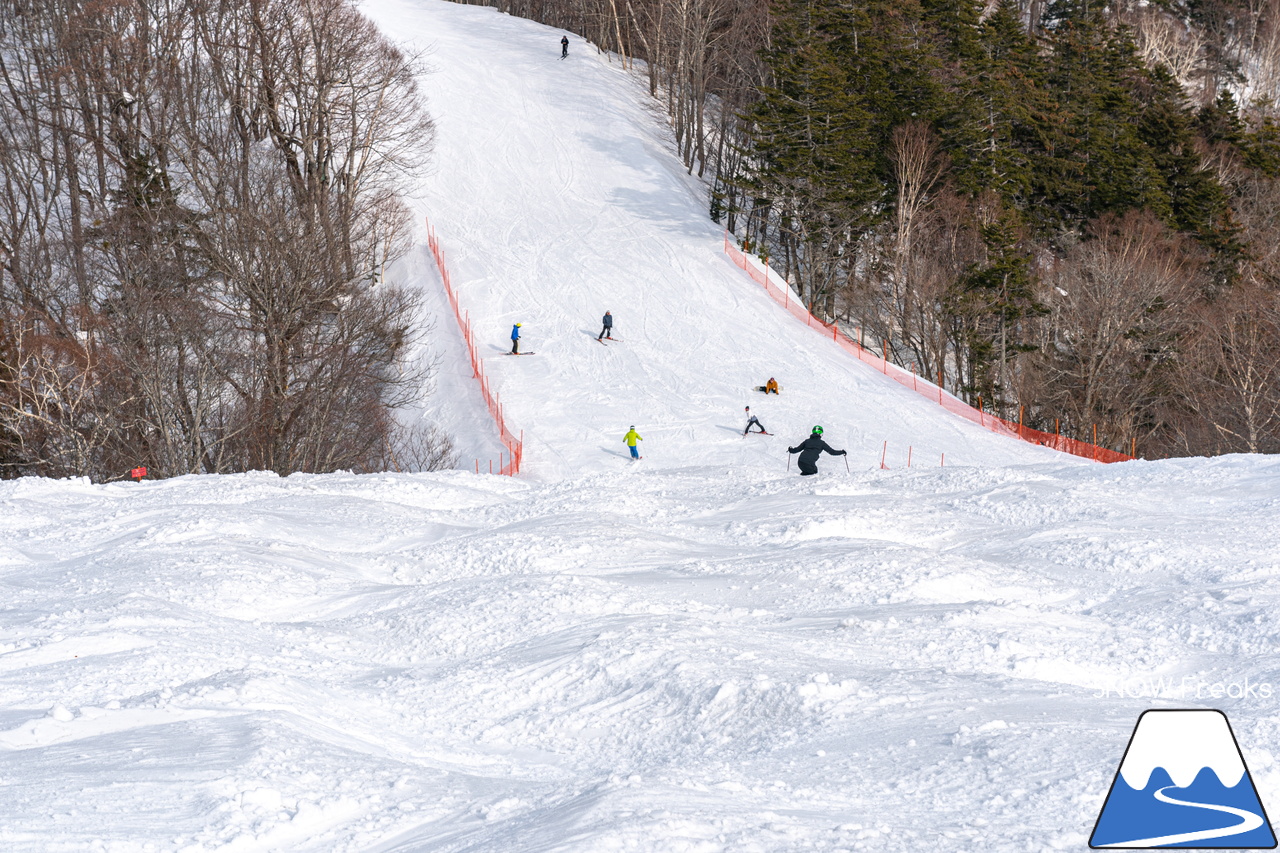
(197, 199)
(1070, 209)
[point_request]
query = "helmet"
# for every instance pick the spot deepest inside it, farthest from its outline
(518, 325)
(633, 426)
(817, 430)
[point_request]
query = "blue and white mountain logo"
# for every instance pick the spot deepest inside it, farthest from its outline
(1183, 783)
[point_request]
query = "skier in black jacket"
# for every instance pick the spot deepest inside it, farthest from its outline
(607, 331)
(810, 449)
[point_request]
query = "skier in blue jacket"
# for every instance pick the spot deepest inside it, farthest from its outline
(515, 339)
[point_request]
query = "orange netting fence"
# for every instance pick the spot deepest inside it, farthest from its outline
(509, 462)
(781, 294)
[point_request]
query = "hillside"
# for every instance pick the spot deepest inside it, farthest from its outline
(556, 197)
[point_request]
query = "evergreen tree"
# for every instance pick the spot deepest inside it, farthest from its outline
(842, 78)
(1220, 122)
(992, 300)
(998, 105)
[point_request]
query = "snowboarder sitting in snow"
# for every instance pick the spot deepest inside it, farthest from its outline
(607, 331)
(631, 438)
(564, 46)
(752, 420)
(515, 339)
(771, 387)
(810, 449)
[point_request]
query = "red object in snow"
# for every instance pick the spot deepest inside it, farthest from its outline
(139, 472)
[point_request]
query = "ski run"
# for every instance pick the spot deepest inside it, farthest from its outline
(698, 652)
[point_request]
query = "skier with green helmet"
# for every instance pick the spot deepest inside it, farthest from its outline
(810, 449)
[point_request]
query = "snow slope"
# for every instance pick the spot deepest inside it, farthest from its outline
(555, 197)
(699, 653)
(933, 660)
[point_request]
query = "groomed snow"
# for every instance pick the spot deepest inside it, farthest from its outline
(697, 653)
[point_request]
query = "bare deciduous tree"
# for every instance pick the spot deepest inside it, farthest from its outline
(1231, 374)
(201, 196)
(1119, 306)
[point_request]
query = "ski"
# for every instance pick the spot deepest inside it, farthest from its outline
(522, 353)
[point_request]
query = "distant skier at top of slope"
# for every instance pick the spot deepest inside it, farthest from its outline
(810, 449)
(564, 46)
(631, 438)
(607, 331)
(515, 339)
(753, 421)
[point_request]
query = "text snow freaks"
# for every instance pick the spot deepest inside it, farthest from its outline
(1186, 687)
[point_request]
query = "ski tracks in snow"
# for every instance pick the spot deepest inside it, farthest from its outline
(692, 657)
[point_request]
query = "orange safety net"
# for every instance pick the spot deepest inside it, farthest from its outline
(781, 294)
(509, 462)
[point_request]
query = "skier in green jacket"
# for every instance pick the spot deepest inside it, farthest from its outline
(631, 438)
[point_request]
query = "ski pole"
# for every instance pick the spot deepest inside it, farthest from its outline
(788, 463)
(846, 463)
